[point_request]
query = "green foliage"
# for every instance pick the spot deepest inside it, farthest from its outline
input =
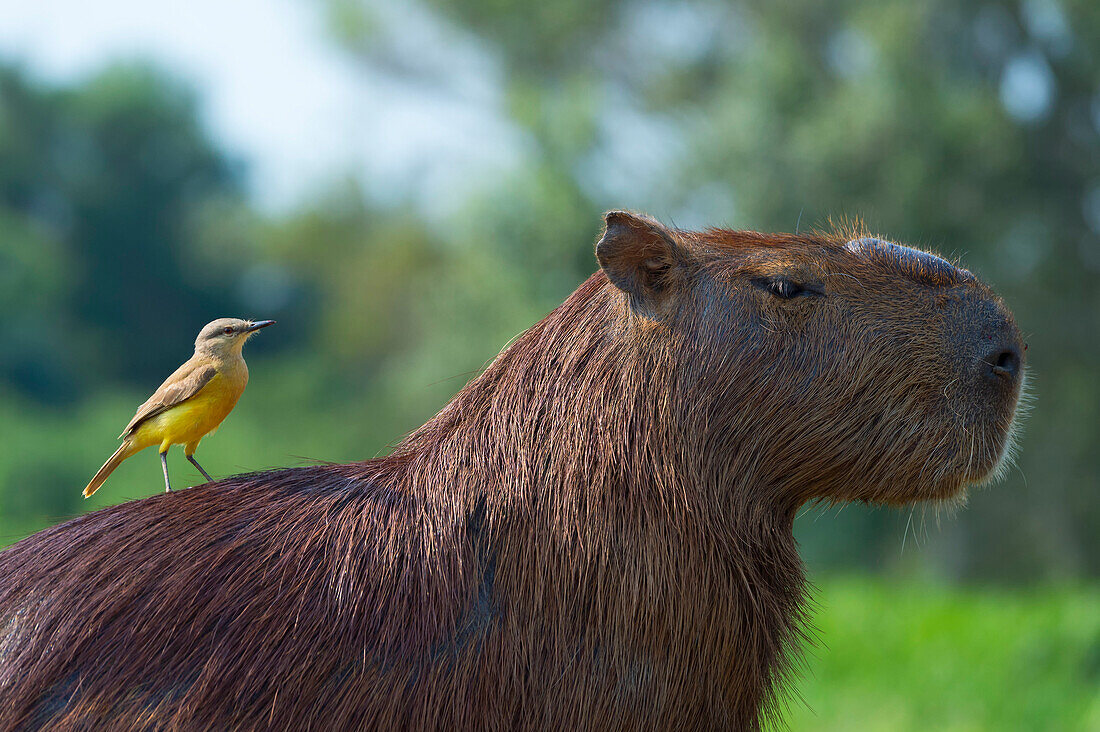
(99, 184)
(920, 657)
(772, 116)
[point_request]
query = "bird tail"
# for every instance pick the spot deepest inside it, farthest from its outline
(125, 450)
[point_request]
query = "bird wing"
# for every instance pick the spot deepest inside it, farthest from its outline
(185, 383)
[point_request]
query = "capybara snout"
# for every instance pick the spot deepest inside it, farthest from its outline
(977, 327)
(989, 346)
(988, 358)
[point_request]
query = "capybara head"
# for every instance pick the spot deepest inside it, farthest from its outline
(822, 366)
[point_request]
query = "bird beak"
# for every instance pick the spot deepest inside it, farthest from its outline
(259, 324)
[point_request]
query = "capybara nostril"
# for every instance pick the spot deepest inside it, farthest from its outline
(1004, 363)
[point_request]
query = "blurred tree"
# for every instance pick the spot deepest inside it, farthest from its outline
(99, 185)
(970, 129)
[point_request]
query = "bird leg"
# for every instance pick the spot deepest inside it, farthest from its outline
(164, 466)
(196, 464)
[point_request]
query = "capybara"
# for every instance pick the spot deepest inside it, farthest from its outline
(595, 533)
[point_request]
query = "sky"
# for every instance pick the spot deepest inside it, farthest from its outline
(278, 93)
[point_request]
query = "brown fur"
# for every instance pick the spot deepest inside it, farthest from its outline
(596, 533)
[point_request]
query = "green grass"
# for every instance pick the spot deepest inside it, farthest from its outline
(922, 657)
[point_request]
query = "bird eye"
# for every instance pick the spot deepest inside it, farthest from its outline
(227, 331)
(786, 289)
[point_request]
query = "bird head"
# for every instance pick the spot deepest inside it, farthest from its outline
(225, 336)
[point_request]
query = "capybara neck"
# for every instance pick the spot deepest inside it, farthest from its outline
(574, 442)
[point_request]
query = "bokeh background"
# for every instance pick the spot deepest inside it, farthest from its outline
(405, 185)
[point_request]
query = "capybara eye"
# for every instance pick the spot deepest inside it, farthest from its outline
(787, 289)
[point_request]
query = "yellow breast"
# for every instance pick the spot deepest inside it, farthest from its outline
(188, 421)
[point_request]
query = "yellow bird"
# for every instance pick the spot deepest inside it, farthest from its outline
(192, 402)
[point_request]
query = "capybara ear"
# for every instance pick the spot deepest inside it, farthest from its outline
(640, 256)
